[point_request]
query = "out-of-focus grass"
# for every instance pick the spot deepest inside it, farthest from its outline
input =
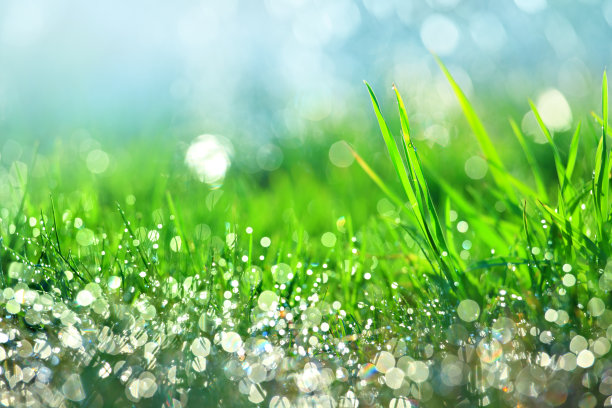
(307, 196)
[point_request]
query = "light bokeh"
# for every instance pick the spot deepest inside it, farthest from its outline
(184, 68)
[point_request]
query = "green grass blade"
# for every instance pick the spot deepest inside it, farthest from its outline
(602, 165)
(533, 164)
(478, 219)
(499, 172)
(557, 157)
(409, 150)
(600, 121)
(573, 154)
(417, 192)
(606, 168)
(396, 159)
(416, 172)
(532, 271)
(577, 237)
(604, 101)
(378, 181)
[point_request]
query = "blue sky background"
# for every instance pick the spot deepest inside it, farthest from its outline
(254, 70)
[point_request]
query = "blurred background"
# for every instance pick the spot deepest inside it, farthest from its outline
(260, 70)
(278, 83)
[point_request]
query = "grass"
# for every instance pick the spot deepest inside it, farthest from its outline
(303, 285)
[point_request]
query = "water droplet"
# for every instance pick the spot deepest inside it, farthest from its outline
(200, 347)
(384, 361)
(585, 359)
(231, 342)
(73, 389)
(267, 300)
(282, 273)
(468, 310)
(84, 298)
(394, 378)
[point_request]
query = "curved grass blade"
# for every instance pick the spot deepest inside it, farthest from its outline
(601, 180)
(396, 159)
(533, 165)
(573, 153)
(557, 157)
(574, 236)
(498, 171)
(414, 164)
(422, 206)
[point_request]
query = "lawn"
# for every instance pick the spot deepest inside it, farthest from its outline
(364, 269)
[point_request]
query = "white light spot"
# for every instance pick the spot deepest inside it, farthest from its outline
(439, 34)
(97, 161)
(175, 244)
(340, 154)
(554, 110)
(85, 298)
(208, 158)
(328, 239)
(476, 167)
(468, 310)
(269, 157)
(487, 32)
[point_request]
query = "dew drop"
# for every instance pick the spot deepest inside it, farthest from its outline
(468, 310)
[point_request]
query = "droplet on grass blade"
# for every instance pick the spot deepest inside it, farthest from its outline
(208, 158)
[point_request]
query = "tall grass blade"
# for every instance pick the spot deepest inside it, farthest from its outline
(601, 180)
(575, 236)
(498, 171)
(396, 159)
(416, 190)
(533, 165)
(573, 154)
(557, 157)
(378, 181)
(409, 150)
(416, 173)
